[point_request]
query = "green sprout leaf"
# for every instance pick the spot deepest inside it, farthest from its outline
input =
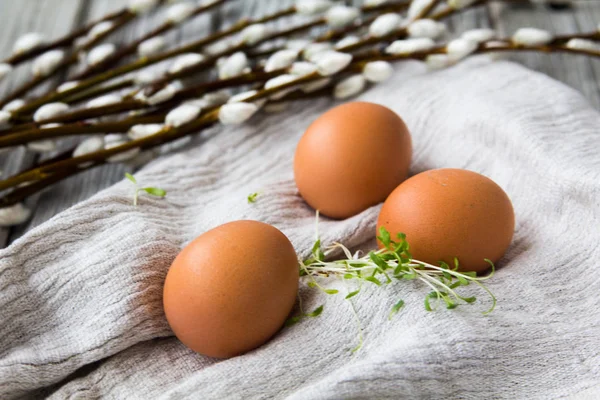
(462, 280)
(150, 190)
(431, 295)
(410, 276)
(316, 312)
(352, 294)
(396, 308)
(155, 191)
(317, 252)
(130, 177)
(316, 247)
(331, 291)
(374, 280)
(252, 198)
(293, 320)
(380, 262)
(384, 237)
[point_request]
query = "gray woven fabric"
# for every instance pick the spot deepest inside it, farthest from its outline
(81, 294)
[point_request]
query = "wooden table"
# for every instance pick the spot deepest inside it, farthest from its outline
(57, 17)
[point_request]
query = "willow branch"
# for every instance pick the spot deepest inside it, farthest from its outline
(148, 61)
(168, 134)
(64, 41)
(66, 63)
(202, 66)
(133, 46)
(92, 81)
(47, 174)
(369, 40)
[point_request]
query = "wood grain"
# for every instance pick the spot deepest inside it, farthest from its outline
(57, 17)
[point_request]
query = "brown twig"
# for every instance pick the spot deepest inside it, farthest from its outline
(427, 9)
(211, 61)
(47, 174)
(65, 41)
(29, 132)
(186, 72)
(50, 172)
(67, 62)
(399, 6)
(147, 61)
(167, 135)
(133, 46)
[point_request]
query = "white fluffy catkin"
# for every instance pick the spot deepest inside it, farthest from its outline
(236, 113)
(332, 62)
(151, 46)
(531, 37)
(50, 110)
(233, 65)
(182, 115)
(349, 87)
(47, 63)
(377, 71)
(144, 130)
(281, 59)
(385, 24)
(28, 42)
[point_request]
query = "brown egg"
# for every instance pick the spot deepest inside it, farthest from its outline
(447, 213)
(351, 158)
(231, 288)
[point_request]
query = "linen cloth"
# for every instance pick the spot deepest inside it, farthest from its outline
(81, 295)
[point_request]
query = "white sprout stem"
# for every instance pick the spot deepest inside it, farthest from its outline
(135, 196)
(439, 283)
(491, 295)
(436, 290)
(312, 278)
(452, 272)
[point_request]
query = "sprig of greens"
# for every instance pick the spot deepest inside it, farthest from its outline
(252, 197)
(395, 262)
(383, 266)
(317, 311)
(150, 190)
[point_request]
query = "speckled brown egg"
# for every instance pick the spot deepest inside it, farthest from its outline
(447, 213)
(351, 158)
(232, 288)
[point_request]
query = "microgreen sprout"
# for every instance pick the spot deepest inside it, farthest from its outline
(396, 308)
(252, 197)
(292, 320)
(150, 190)
(383, 266)
(395, 261)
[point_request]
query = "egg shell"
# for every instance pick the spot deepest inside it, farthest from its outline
(232, 288)
(447, 213)
(351, 158)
